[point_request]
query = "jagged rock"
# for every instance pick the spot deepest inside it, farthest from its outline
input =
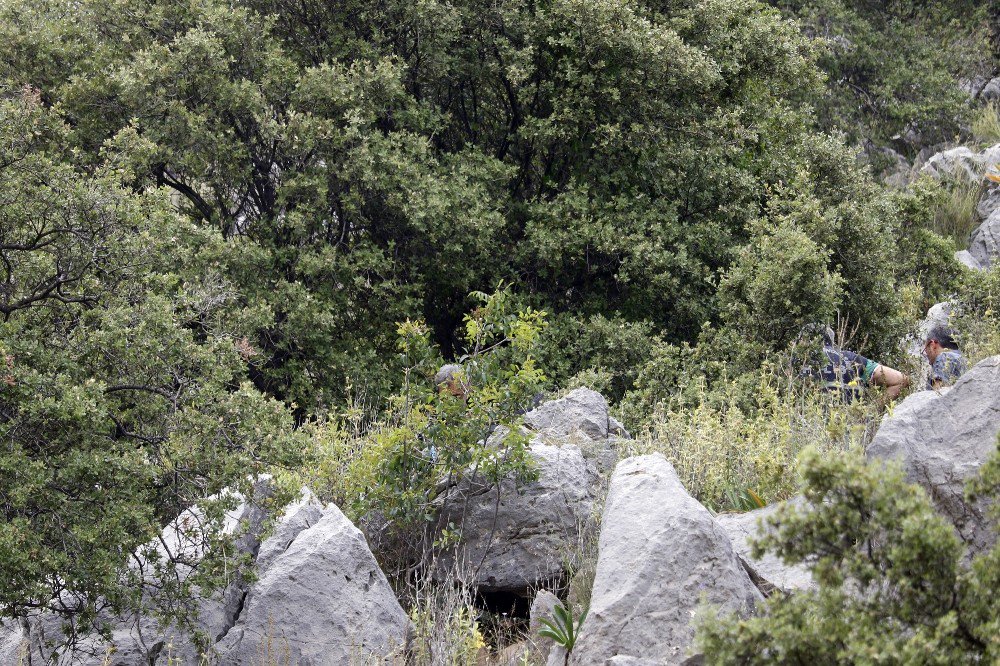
(543, 607)
(990, 201)
(984, 244)
(961, 164)
(517, 538)
(581, 412)
(991, 91)
(13, 642)
(660, 553)
(965, 258)
(768, 572)
(323, 600)
(942, 438)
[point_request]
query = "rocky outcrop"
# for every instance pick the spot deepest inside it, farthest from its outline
(542, 608)
(515, 538)
(959, 163)
(965, 258)
(768, 572)
(582, 412)
(984, 243)
(660, 554)
(942, 439)
(322, 599)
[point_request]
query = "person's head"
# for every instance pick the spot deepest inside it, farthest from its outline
(939, 339)
(449, 378)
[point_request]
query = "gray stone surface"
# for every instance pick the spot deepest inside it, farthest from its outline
(965, 258)
(942, 438)
(768, 572)
(581, 412)
(522, 538)
(543, 607)
(984, 243)
(990, 201)
(13, 646)
(955, 163)
(660, 554)
(322, 601)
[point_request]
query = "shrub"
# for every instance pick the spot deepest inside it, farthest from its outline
(977, 314)
(890, 584)
(986, 124)
(779, 283)
(431, 436)
(727, 454)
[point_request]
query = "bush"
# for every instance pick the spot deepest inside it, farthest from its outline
(891, 584)
(605, 354)
(779, 283)
(431, 436)
(726, 454)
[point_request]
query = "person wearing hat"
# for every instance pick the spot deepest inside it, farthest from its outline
(947, 362)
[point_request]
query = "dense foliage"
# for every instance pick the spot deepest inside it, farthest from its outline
(218, 219)
(891, 585)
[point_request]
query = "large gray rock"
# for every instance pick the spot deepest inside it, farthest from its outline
(515, 538)
(942, 438)
(139, 637)
(990, 201)
(322, 600)
(581, 412)
(768, 572)
(959, 163)
(542, 608)
(13, 643)
(965, 258)
(660, 554)
(984, 243)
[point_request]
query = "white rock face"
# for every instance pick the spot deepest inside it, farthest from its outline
(959, 163)
(767, 572)
(984, 243)
(660, 553)
(581, 412)
(965, 258)
(522, 538)
(942, 439)
(321, 601)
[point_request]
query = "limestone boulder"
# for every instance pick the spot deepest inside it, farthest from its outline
(582, 412)
(768, 572)
(660, 553)
(965, 258)
(984, 243)
(322, 600)
(942, 438)
(959, 163)
(518, 538)
(990, 200)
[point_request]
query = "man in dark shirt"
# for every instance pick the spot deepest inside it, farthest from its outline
(947, 362)
(849, 373)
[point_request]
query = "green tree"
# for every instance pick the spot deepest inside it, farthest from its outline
(893, 68)
(124, 398)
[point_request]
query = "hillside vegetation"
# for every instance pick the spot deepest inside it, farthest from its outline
(241, 237)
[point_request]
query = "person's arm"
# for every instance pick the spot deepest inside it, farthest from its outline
(893, 380)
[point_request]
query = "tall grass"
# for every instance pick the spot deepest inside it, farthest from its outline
(729, 458)
(986, 125)
(955, 212)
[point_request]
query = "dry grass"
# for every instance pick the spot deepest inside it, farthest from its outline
(725, 456)
(986, 125)
(955, 213)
